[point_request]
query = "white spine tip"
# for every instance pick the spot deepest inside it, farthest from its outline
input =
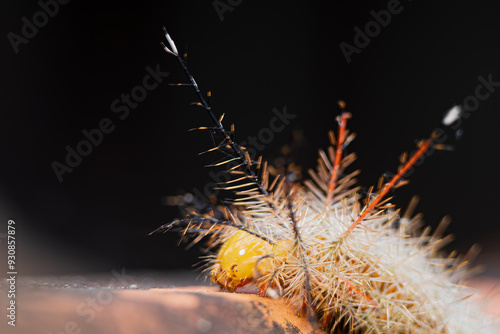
(452, 115)
(171, 43)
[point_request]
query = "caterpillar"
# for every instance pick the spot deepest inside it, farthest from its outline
(347, 260)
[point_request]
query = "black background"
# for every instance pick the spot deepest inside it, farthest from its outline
(262, 55)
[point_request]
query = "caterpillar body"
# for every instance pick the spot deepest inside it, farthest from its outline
(351, 264)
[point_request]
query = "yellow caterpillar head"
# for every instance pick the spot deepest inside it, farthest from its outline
(241, 258)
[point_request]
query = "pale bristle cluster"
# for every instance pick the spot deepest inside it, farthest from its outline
(384, 277)
(352, 264)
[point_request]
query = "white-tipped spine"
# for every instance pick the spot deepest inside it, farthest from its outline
(452, 115)
(173, 48)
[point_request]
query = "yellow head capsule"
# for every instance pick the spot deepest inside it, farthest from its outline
(238, 259)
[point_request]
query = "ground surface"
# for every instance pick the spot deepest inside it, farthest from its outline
(122, 302)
